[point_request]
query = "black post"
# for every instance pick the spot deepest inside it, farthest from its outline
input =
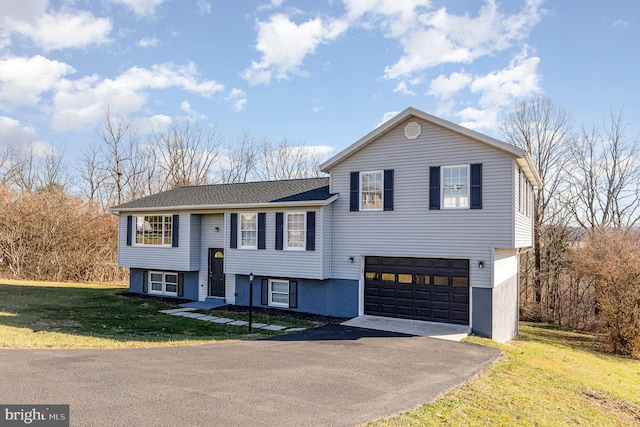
(250, 300)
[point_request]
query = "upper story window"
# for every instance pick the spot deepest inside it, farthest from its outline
(371, 195)
(249, 230)
(295, 230)
(154, 230)
(455, 187)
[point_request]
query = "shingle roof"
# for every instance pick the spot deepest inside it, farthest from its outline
(247, 193)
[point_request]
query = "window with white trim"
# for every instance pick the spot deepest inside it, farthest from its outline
(295, 226)
(163, 283)
(154, 230)
(371, 193)
(526, 195)
(248, 230)
(279, 293)
(455, 187)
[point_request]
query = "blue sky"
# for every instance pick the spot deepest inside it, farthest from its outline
(323, 72)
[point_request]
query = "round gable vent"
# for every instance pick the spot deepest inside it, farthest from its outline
(412, 130)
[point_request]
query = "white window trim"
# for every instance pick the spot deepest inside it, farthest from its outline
(278, 304)
(361, 208)
(240, 245)
(286, 231)
(134, 238)
(442, 169)
(164, 283)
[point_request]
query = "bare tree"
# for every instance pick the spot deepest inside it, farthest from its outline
(543, 130)
(93, 176)
(119, 146)
(287, 161)
(185, 153)
(238, 161)
(605, 176)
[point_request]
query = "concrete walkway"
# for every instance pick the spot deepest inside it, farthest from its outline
(189, 312)
(445, 331)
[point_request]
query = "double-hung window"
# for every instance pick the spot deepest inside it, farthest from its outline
(248, 231)
(163, 283)
(371, 193)
(154, 230)
(295, 230)
(279, 293)
(455, 187)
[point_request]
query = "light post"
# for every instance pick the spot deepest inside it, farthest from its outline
(250, 300)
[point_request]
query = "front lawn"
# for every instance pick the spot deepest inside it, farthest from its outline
(549, 376)
(72, 315)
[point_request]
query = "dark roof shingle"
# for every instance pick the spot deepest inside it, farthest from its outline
(294, 190)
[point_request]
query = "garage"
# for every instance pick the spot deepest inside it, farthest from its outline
(432, 289)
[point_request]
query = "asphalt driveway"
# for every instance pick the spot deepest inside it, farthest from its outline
(334, 375)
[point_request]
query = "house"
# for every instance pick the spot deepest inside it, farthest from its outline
(420, 219)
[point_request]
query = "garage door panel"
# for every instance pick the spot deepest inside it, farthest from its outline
(418, 288)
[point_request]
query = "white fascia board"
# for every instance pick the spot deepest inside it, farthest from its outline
(529, 169)
(228, 207)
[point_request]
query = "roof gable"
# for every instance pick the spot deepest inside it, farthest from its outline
(522, 158)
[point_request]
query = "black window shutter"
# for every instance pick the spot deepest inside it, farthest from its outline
(476, 186)
(354, 194)
(180, 284)
(264, 292)
(311, 231)
(434, 187)
(129, 229)
(293, 294)
(233, 233)
(175, 229)
(279, 230)
(388, 190)
(145, 281)
(262, 226)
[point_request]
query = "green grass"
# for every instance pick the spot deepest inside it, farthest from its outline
(548, 377)
(71, 315)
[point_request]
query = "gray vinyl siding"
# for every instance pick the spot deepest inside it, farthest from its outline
(270, 262)
(324, 236)
(150, 257)
(209, 238)
(194, 244)
(411, 229)
(523, 224)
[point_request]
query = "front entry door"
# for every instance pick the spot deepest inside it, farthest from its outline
(216, 272)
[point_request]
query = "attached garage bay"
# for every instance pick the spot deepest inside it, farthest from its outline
(431, 289)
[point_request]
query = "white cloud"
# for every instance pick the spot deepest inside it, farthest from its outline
(500, 89)
(23, 80)
(149, 42)
(403, 88)
(186, 107)
(52, 30)
(204, 7)
(142, 8)
(395, 17)
(80, 103)
(621, 23)
(147, 125)
(285, 44)
(387, 116)
(439, 37)
(14, 134)
(238, 99)
(446, 87)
